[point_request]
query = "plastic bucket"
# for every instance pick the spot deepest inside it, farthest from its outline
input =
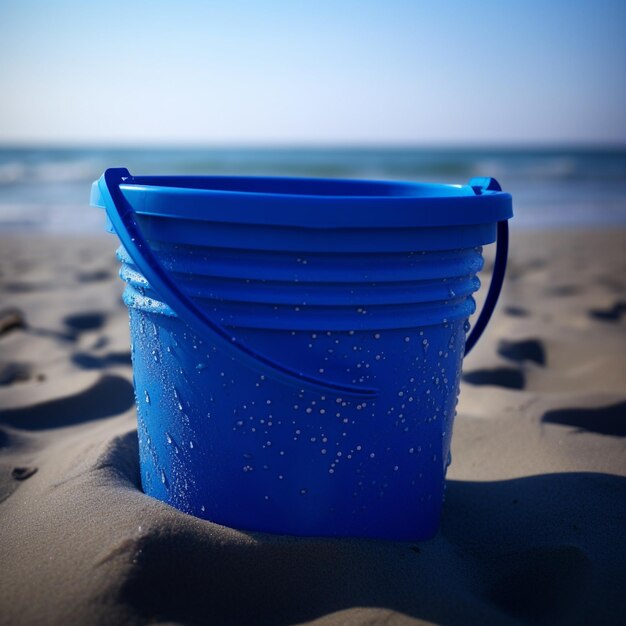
(297, 344)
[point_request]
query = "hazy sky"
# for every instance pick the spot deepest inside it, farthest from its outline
(327, 71)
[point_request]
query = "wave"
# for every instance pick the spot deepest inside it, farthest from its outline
(36, 166)
(16, 172)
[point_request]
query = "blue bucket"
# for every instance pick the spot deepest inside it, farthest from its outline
(297, 344)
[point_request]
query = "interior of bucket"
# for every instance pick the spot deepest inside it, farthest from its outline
(309, 187)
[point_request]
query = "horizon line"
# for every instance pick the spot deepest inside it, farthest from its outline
(319, 145)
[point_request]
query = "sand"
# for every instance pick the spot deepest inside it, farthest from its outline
(534, 526)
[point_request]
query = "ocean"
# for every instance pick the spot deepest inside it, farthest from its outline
(47, 189)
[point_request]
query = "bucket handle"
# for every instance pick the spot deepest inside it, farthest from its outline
(123, 219)
(484, 186)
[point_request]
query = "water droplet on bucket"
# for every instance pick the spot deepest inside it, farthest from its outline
(178, 402)
(147, 397)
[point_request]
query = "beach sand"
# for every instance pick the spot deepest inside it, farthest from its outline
(534, 524)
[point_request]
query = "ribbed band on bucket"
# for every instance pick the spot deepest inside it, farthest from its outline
(332, 291)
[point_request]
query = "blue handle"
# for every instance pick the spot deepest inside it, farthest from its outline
(480, 186)
(497, 278)
(123, 219)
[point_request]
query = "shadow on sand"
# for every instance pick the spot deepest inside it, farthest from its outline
(539, 550)
(108, 396)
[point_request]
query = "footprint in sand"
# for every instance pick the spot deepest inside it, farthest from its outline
(93, 276)
(23, 473)
(516, 311)
(14, 372)
(508, 377)
(611, 314)
(18, 287)
(11, 476)
(607, 420)
(11, 319)
(90, 362)
(109, 395)
(85, 321)
(524, 350)
(7, 483)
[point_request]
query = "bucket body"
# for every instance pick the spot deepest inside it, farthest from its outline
(385, 308)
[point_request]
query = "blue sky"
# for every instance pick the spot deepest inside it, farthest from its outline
(342, 72)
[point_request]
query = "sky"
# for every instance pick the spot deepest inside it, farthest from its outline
(187, 72)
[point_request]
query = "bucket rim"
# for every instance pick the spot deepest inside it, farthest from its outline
(290, 201)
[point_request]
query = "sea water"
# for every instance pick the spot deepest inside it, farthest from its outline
(47, 189)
